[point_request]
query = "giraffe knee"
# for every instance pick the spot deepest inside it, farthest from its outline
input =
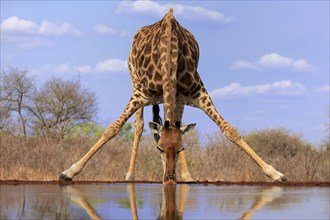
(111, 131)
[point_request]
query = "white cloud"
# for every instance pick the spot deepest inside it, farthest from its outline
(285, 87)
(27, 34)
(242, 64)
(325, 88)
(17, 25)
(84, 69)
(102, 29)
(25, 42)
(109, 65)
(64, 68)
(14, 24)
(49, 28)
(273, 61)
(185, 11)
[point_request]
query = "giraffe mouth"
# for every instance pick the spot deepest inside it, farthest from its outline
(169, 179)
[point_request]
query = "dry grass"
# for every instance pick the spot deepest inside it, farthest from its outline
(37, 159)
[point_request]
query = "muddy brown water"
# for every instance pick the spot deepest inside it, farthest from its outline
(104, 200)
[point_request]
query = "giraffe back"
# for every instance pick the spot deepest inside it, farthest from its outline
(164, 55)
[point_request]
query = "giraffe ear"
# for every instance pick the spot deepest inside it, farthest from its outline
(155, 127)
(185, 129)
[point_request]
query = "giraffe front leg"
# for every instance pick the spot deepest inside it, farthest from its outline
(205, 103)
(138, 129)
(185, 174)
(109, 133)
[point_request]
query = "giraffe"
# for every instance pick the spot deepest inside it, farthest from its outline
(169, 208)
(163, 65)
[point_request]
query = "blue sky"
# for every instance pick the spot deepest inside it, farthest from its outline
(265, 64)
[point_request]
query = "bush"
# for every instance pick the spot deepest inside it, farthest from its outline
(217, 159)
(290, 154)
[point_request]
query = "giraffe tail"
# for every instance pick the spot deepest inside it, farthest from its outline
(156, 118)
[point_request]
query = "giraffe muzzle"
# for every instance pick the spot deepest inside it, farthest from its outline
(170, 179)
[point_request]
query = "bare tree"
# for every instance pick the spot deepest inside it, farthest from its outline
(60, 105)
(5, 118)
(16, 90)
(310, 161)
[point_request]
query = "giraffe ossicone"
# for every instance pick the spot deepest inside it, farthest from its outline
(163, 65)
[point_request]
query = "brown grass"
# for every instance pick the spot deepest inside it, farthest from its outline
(218, 160)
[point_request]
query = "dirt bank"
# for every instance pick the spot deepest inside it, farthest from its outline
(304, 184)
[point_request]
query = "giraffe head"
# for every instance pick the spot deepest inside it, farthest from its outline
(170, 145)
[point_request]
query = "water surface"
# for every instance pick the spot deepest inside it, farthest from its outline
(153, 201)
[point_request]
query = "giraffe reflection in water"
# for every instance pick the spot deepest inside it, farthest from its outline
(266, 196)
(171, 195)
(77, 196)
(168, 210)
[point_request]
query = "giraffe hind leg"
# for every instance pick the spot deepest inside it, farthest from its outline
(185, 174)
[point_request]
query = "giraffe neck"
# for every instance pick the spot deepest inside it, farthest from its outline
(168, 62)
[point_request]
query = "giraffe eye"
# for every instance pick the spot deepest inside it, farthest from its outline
(181, 149)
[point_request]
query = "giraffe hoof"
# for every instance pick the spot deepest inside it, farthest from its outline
(282, 179)
(64, 177)
(187, 178)
(130, 177)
